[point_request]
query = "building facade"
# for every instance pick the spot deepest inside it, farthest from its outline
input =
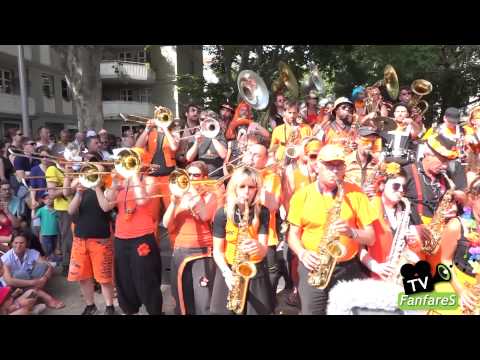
(135, 78)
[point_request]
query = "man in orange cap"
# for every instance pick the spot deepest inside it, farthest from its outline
(309, 223)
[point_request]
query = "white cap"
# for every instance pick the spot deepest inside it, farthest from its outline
(91, 133)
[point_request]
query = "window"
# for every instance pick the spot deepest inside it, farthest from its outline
(47, 85)
(125, 56)
(144, 95)
(126, 94)
(66, 91)
(5, 81)
(142, 56)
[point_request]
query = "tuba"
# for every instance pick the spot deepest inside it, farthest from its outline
(420, 88)
(313, 80)
(252, 89)
(243, 269)
(285, 82)
(330, 248)
(437, 225)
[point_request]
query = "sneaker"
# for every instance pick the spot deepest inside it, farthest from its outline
(90, 310)
(109, 310)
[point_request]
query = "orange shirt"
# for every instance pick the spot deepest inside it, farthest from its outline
(281, 135)
(272, 184)
(152, 148)
(139, 223)
(309, 207)
(188, 231)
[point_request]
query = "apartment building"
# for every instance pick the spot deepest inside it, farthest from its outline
(49, 99)
(135, 78)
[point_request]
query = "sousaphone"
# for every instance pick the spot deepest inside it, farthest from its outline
(252, 89)
(390, 81)
(286, 82)
(313, 80)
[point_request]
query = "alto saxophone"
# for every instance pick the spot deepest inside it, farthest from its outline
(330, 248)
(476, 292)
(243, 269)
(437, 225)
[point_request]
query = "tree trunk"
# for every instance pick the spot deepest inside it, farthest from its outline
(81, 64)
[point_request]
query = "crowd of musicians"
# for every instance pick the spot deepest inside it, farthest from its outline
(273, 194)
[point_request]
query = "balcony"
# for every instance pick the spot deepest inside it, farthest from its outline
(11, 104)
(130, 72)
(13, 50)
(111, 109)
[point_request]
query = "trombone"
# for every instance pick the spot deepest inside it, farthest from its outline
(209, 128)
(162, 116)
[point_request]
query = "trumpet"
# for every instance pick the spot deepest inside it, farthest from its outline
(162, 117)
(179, 182)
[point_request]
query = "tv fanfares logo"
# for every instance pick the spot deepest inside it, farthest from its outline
(419, 285)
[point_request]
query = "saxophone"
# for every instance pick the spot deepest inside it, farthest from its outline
(476, 291)
(375, 172)
(243, 269)
(437, 225)
(399, 243)
(330, 248)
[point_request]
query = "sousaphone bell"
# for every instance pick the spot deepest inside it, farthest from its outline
(252, 89)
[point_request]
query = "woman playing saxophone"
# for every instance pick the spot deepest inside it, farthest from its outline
(240, 230)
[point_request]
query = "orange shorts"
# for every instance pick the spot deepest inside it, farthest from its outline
(91, 258)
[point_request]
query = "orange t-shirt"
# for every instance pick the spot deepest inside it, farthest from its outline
(139, 223)
(309, 208)
(190, 232)
(281, 135)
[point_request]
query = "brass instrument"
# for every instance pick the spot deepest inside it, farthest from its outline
(329, 248)
(420, 88)
(396, 255)
(91, 176)
(179, 181)
(476, 292)
(285, 82)
(242, 268)
(313, 80)
(252, 89)
(390, 81)
(128, 162)
(437, 225)
(209, 128)
(162, 116)
(376, 171)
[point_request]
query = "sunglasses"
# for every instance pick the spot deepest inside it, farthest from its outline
(19, 134)
(398, 186)
(31, 143)
(195, 175)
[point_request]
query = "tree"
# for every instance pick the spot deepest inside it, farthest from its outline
(81, 64)
(452, 69)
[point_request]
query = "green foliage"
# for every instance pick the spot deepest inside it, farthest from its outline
(452, 69)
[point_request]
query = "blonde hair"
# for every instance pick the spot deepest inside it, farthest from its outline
(231, 198)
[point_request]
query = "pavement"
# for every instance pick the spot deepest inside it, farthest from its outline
(69, 292)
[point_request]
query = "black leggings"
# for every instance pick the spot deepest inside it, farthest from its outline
(138, 278)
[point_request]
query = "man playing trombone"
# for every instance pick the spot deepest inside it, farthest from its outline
(160, 145)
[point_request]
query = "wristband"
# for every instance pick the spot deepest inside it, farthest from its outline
(354, 235)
